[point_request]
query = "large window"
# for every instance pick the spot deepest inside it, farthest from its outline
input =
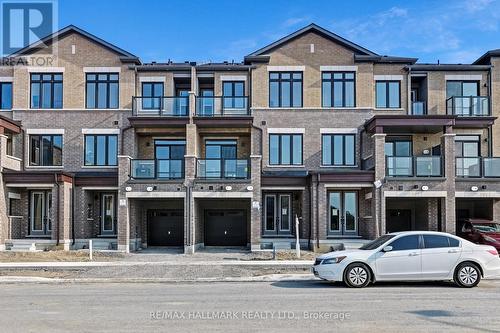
(388, 94)
(285, 149)
(101, 150)
(102, 91)
(338, 89)
(234, 92)
(46, 150)
(152, 93)
(5, 95)
(462, 88)
(338, 149)
(285, 89)
(46, 91)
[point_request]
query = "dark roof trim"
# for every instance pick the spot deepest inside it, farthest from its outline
(10, 124)
(124, 55)
(35, 177)
(485, 57)
(161, 67)
(313, 28)
(384, 59)
(448, 67)
(258, 59)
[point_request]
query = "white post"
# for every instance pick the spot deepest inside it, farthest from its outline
(90, 249)
(297, 242)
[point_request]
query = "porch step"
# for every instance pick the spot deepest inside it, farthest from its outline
(24, 247)
(103, 244)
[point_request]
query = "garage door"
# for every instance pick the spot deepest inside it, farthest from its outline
(166, 228)
(225, 228)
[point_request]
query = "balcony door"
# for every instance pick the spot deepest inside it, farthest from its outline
(457, 89)
(169, 155)
(220, 158)
(206, 106)
(467, 151)
(181, 107)
(399, 156)
(40, 213)
(343, 213)
(278, 219)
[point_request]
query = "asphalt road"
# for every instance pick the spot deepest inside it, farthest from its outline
(307, 306)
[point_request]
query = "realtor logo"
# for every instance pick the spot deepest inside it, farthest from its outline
(25, 22)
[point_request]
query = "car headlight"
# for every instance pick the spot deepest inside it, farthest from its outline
(490, 239)
(335, 260)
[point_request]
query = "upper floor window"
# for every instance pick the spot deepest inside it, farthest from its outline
(285, 89)
(152, 93)
(388, 94)
(46, 150)
(462, 88)
(101, 150)
(233, 92)
(6, 95)
(46, 91)
(338, 89)
(102, 91)
(285, 149)
(338, 149)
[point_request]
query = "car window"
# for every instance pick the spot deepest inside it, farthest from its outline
(453, 242)
(435, 241)
(405, 243)
(376, 243)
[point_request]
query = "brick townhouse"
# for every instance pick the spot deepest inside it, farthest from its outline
(313, 127)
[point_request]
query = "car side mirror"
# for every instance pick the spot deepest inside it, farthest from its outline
(387, 248)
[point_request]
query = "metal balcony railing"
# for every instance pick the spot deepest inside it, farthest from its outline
(468, 106)
(414, 166)
(223, 168)
(418, 108)
(217, 106)
(166, 106)
(157, 169)
(477, 167)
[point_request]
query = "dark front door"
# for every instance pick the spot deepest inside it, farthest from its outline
(166, 228)
(398, 220)
(225, 228)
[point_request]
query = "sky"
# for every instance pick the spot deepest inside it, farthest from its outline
(217, 30)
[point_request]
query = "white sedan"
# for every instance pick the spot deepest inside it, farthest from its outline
(411, 256)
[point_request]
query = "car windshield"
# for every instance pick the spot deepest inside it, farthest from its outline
(376, 243)
(487, 227)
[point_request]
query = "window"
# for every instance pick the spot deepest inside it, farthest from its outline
(101, 150)
(102, 91)
(467, 146)
(406, 243)
(338, 149)
(388, 94)
(285, 89)
(398, 146)
(436, 241)
(5, 95)
(46, 91)
(152, 93)
(462, 88)
(170, 158)
(285, 149)
(46, 150)
(338, 89)
(108, 214)
(234, 92)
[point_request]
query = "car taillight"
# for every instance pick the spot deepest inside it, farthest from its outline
(493, 252)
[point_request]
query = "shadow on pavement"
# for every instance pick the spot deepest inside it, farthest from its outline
(327, 284)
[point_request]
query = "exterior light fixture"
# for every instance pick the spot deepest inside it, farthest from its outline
(474, 188)
(249, 188)
(229, 188)
(128, 188)
(425, 188)
(149, 188)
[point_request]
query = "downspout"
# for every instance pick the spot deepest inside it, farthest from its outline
(310, 213)
(56, 208)
(318, 178)
(73, 211)
(490, 128)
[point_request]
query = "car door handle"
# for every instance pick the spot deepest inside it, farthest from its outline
(413, 254)
(453, 251)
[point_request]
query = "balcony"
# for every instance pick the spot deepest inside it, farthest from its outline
(157, 169)
(478, 167)
(221, 106)
(166, 106)
(468, 106)
(418, 108)
(414, 166)
(222, 168)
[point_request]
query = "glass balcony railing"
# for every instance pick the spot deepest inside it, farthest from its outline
(166, 106)
(157, 169)
(468, 106)
(216, 106)
(418, 108)
(477, 167)
(414, 166)
(222, 168)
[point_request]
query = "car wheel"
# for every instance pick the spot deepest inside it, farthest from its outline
(467, 275)
(357, 276)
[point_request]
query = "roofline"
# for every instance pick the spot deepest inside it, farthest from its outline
(125, 56)
(317, 28)
(448, 67)
(384, 59)
(487, 55)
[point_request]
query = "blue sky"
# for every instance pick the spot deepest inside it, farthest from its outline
(451, 31)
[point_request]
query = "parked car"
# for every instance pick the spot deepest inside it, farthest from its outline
(411, 256)
(481, 231)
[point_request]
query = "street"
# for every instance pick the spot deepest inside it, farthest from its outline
(307, 306)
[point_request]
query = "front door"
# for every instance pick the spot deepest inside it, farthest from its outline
(343, 213)
(278, 214)
(40, 213)
(404, 262)
(108, 215)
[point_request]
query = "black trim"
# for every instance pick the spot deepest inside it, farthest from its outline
(387, 94)
(153, 96)
(332, 149)
(291, 81)
(343, 81)
(33, 152)
(106, 136)
(108, 83)
(280, 136)
(40, 82)
(2, 84)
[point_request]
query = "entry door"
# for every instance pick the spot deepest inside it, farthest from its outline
(343, 213)
(108, 214)
(220, 158)
(40, 213)
(278, 214)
